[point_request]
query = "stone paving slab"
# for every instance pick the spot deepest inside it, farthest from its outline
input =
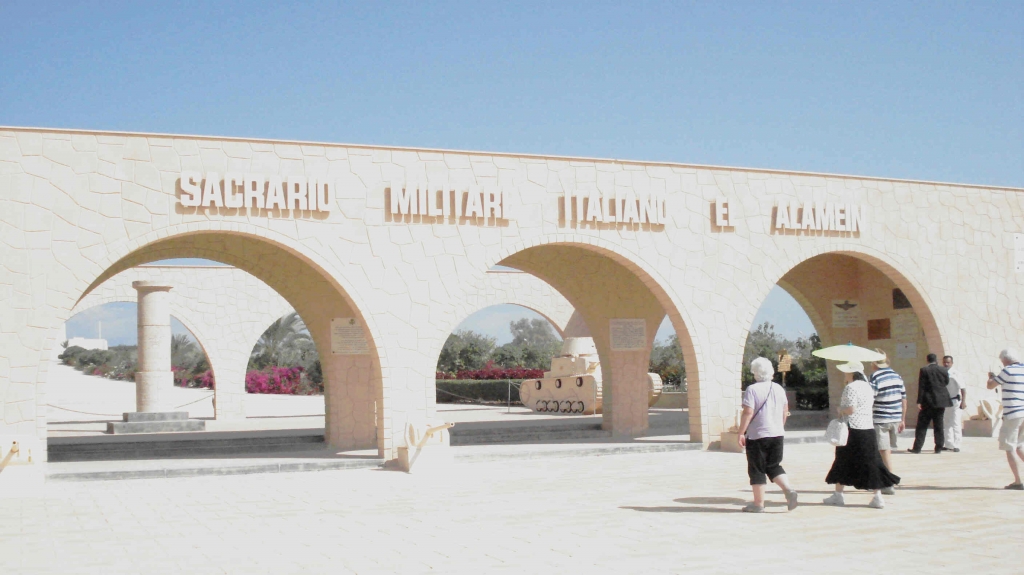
(675, 512)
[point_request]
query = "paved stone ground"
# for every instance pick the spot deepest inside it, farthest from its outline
(652, 513)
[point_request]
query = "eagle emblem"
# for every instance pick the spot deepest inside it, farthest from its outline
(846, 305)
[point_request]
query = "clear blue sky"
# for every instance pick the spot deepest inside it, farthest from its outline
(923, 90)
(926, 90)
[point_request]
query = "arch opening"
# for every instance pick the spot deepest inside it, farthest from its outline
(93, 381)
(612, 294)
(857, 298)
(353, 382)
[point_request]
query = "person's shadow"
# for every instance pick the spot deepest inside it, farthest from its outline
(725, 504)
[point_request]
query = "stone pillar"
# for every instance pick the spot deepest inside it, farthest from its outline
(154, 379)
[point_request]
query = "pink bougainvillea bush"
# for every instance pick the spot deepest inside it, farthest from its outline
(490, 371)
(185, 378)
(205, 380)
(276, 380)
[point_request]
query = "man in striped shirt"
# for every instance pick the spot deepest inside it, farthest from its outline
(889, 412)
(1011, 436)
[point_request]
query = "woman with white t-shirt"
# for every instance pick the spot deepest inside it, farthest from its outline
(761, 431)
(858, 463)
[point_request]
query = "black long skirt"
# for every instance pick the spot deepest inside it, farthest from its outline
(858, 463)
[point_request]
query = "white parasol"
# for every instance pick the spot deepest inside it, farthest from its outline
(848, 352)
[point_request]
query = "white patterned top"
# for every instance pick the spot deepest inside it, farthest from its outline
(861, 397)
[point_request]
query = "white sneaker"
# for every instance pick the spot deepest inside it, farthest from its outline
(835, 499)
(877, 502)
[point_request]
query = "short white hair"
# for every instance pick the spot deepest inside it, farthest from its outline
(762, 369)
(1009, 354)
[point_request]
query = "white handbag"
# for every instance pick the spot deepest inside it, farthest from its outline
(837, 433)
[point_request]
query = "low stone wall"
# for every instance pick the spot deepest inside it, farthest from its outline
(672, 400)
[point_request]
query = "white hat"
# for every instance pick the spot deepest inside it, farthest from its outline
(851, 367)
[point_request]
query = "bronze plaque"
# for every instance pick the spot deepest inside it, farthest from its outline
(879, 329)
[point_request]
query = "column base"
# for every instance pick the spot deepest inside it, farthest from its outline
(155, 422)
(981, 428)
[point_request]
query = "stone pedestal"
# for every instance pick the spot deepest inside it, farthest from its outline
(154, 378)
(155, 422)
(981, 428)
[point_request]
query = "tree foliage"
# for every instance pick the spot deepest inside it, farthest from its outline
(286, 343)
(667, 361)
(465, 350)
(533, 345)
(808, 376)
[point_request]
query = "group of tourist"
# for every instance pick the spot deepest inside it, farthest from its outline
(874, 411)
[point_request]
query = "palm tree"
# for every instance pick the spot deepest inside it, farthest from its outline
(183, 350)
(282, 335)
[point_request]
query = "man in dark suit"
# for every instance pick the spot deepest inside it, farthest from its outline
(932, 401)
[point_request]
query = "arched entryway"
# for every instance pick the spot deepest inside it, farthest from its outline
(854, 296)
(353, 388)
(612, 292)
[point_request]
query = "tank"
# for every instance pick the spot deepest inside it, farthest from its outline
(573, 385)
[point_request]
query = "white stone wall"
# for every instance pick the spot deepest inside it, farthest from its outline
(227, 310)
(77, 207)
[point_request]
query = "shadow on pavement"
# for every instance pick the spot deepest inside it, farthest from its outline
(692, 509)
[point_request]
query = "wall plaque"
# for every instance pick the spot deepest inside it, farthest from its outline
(905, 326)
(879, 329)
(846, 313)
(347, 337)
(906, 350)
(628, 334)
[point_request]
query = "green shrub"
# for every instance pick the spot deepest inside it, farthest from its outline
(812, 399)
(118, 362)
(484, 391)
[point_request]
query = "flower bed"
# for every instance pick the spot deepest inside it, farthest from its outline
(275, 380)
(491, 372)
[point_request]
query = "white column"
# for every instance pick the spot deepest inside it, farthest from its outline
(154, 379)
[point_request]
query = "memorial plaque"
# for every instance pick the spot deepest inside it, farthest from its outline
(905, 326)
(846, 314)
(879, 329)
(347, 337)
(906, 350)
(628, 334)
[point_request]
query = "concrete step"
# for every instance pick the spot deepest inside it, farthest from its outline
(155, 426)
(140, 416)
(533, 434)
(182, 445)
(119, 471)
